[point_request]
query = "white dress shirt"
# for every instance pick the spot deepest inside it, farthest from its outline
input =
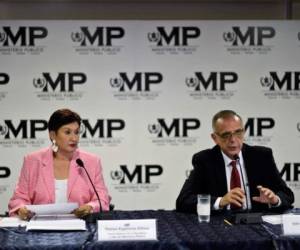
(244, 180)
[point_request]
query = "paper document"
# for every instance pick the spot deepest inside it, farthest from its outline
(56, 225)
(55, 208)
(54, 217)
(273, 219)
(12, 222)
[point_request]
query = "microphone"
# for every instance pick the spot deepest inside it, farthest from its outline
(245, 218)
(96, 216)
(237, 159)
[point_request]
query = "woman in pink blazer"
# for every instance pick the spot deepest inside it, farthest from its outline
(52, 175)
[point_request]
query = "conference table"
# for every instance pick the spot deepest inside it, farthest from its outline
(175, 231)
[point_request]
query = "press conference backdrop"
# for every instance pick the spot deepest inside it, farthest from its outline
(146, 91)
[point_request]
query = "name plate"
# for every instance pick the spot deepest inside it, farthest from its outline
(291, 224)
(127, 230)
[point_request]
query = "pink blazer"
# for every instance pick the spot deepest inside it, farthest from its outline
(36, 181)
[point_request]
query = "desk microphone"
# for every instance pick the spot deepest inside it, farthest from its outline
(237, 159)
(98, 215)
(246, 218)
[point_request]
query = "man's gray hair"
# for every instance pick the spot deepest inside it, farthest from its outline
(224, 114)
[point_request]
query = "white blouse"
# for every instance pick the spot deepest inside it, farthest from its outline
(61, 191)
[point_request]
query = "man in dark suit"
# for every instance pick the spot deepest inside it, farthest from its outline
(261, 187)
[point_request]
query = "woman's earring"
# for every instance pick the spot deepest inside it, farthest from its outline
(54, 146)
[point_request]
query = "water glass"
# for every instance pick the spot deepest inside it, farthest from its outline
(203, 207)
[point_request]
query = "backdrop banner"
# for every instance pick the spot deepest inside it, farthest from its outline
(147, 91)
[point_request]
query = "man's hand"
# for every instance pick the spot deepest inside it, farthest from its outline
(235, 196)
(25, 214)
(266, 196)
(83, 211)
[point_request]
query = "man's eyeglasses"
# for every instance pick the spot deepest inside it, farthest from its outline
(226, 135)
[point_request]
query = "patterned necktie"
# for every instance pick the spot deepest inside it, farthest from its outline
(235, 180)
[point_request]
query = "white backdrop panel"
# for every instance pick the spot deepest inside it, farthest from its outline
(140, 78)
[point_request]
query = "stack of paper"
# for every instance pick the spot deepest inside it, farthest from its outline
(48, 217)
(60, 225)
(54, 217)
(12, 222)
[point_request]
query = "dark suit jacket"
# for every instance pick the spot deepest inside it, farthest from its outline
(209, 177)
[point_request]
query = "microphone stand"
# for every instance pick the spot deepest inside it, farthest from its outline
(237, 159)
(246, 218)
(93, 217)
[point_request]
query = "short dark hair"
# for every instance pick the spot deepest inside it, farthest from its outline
(62, 117)
(224, 114)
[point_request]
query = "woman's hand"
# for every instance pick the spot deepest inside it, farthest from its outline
(83, 211)
(25, 214)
